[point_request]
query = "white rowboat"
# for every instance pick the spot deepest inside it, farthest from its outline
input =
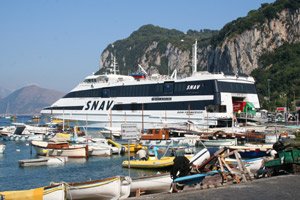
(151, 184)
(117, 187)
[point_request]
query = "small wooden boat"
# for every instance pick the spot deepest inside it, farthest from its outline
(156, 134)
(190, 180)
(151, 184)
(43, 161)
(54, 191)
(60, 149)
(117, 187)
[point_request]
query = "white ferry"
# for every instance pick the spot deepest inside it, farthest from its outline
(109, 100)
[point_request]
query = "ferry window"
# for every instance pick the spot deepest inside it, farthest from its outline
(142, 90)
(216, 108)
(97, 93)
(129, 91)
(105, 93)
(113, 92)
(159, 89)
(146, 90)
(168, 88)
(222, 108)
(179, 88)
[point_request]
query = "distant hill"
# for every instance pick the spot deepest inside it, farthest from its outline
(28, 100)
(4, 92)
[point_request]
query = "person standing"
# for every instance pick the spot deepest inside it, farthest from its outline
(142, 154)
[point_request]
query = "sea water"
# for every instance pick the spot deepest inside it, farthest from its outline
(13, 177)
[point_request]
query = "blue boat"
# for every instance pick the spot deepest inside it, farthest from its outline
(194, 179)
(253, 154)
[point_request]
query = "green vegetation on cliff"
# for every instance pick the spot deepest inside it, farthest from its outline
(282, 68)
(130, 50)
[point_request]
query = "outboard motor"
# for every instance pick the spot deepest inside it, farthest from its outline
(278, 146)
(183, 166)
(123, 150)
(180, 168)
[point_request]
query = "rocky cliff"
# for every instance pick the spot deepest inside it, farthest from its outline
(241, 52)
(242, 42)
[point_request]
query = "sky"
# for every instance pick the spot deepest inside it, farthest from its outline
(55, 44)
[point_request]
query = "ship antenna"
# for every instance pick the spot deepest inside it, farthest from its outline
(142, 69)
(195, 57)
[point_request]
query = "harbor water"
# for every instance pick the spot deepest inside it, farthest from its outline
(13, 177)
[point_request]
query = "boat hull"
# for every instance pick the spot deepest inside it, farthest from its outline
(109, 188)
(99, 151)
(251, 164)
(73, 152)
(56, 192)
(151, 184)
(61, 150)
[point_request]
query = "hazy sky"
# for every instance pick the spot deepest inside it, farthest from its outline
(55, 44)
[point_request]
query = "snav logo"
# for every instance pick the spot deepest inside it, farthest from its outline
(192, 87)
(98, 105)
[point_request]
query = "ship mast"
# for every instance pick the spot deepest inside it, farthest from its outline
(195, 57)
(114, 64)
